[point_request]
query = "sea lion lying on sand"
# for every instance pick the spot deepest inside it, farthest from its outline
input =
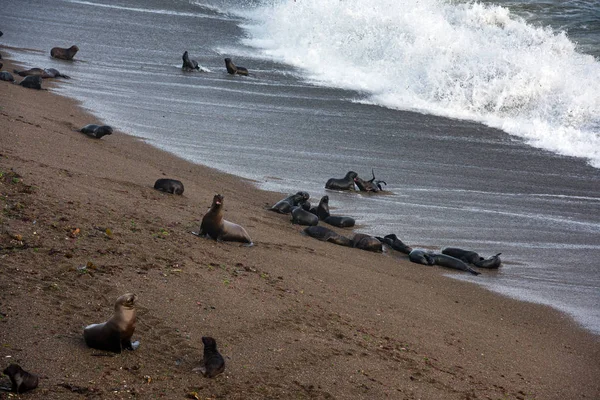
(169, 185)
(470, 257)
(44, 73)
(96, 131)
(6, 76)
(327, 235)
(22, 381)
(395, 243)
(285, 206)
(32, 82)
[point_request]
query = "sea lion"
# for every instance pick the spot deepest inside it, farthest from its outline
(96, 131)
(22, 381)
(285, 206)
(372, 185)
(213, 363)
(327, 235)
(233, 69)
(32, 82)
(1, 65)
(395, 243)
(189, 65)
(444, 260)
(302, 217)
(44, 73)
(470, 257)
(115, 334)
(421, 257)
(64, 54)
(345, 183)
(6, 76)
(220, 229)
(322, 211)
(366, 242)
(169, 185)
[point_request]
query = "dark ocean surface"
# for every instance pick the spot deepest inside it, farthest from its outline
(483, 118)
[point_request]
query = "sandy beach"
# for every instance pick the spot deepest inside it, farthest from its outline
(293, 317)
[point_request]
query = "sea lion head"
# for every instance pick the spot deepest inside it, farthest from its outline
(74, 49)
(325, 199)
(127, 301)
(217, 201)
(12, 370)
(304, 195)
(391, 236)
(351, 175)
(209, 342)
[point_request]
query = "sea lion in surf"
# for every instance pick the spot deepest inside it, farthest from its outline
(169, 185)
(6, 76)
(322, 211)
(372, 185)
(64, 54)
(302, 217)
(96, 131)
(285, 206)
(21, 380)
(366, 242)
(188, 64)
(215, 226)
(444, 260)
(44, 73)
(471, 257)
(232, 69)
(395, 243)
(327, 235)
(345, 183)
(115, 334)
(212, 363)
(32, 82)
(421, 257)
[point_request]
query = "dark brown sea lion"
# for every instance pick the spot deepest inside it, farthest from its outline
(470, 257)
(233, 69)
(322, 211)
(345, 183)
(285, 206)
(421, 257)
(44, 73)
(366, 242)
(22, 381)
(395, 243)
(115, 334)
(6, 76)
(32, 82)
(214, 225)
(213, 363)
(189, 65)
(96, 131)
(169, 185)
(444, 260)
(372, 185)
(327, 235)
(64, 54)
(302, 217)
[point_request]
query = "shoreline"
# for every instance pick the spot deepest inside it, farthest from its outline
(280, 321)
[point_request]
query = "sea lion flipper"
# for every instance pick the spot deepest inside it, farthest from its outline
(128, 345)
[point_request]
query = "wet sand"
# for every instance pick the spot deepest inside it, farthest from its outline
(293, 317)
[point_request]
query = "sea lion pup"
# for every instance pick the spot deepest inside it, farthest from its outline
(44, 73)
(169, 185)
(302, 217)
(395, 243)
(285, 206)
(6, 76)
(96, 131)
(189, 65)
(345, 183)
(213, 363)
(444, 260)
(470, 257)
(22, 381)
(366, 242)
(420, 256)
(233, 69)
(322, 211)
(32, 82)
(214, 225)
(327, 235)
(64, 54)
(115, 334)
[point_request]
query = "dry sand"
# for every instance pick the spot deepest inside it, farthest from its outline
(293, 317)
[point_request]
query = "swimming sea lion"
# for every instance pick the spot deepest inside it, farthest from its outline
(322, 211)
(96, 131)
(218, 228)
(470, 257)
(302, 217)
(44, 73)
(169, 185)
(213, 363)
(395, 243)
(366, 242)
(22, 381)
(421, 257)
(285, 206)
(327, 235)
(345, 183)
(32, 82)
(115, 334)
(64, 54)
(444, 260)
(189, 65)
(6, 76)
(233, 69)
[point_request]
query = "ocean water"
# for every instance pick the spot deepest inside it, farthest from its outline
(482, 117)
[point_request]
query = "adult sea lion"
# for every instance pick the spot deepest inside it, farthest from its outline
(214, 225)
(302, 217)
(366, 242)
(233, 69)
(64, 54)
(32, 82)
(6, 76)
(212, 363)
(285, 206)
(345, 183)
(322, 211)
(189, 65)
(421, 257)
(395, 243)
(22, 381)
(96, 131)
(470, 257)
(115, 334)
(327, 235)
(444, 260)
(169, 185)
(44, 73)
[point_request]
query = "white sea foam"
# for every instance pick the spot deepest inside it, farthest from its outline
(460, 60)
